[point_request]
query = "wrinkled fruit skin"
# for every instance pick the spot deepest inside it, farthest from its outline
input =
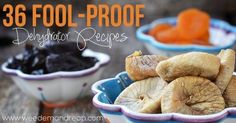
(65, 62)
(227, 61)
(230, 93)
(64, 47)
(31, 62)
(52, 58)
(142, 67)
(189, 64)
(143, 96)
(193, 23)
(192, 95)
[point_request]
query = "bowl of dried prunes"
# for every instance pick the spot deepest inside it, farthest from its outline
(57, 74)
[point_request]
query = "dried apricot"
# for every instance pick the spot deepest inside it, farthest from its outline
(193, 23)
(168, 36)
(171, 36)
(205, 37)
(159, 28)
(203, 40)
(183, 41)
(200, 42)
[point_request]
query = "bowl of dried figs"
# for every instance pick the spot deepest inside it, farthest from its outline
(190, 87)
(56, 74)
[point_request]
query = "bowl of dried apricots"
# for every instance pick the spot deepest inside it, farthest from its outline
(191, 30)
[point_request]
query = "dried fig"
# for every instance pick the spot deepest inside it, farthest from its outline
(143, 96)
(141, 67)
(227, 61)
(189, 64)
(192, 95)
(230, 93)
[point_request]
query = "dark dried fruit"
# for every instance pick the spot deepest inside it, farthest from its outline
(68, 62)
(14, 63)
(52, 58)
(60, 48)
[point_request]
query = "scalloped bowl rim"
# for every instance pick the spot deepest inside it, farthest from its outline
(140, 34)
(61, 74)
(154, 117)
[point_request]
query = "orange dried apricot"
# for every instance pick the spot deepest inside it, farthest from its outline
(183, 41)
(172, 36)
(203, 40)
(205, 37)
(167, 36)
(159, 28)
(192, 23)
(200, 42)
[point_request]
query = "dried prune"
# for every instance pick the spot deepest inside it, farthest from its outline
(14, 63)
(38, 72)
(68, 62)
(39, 59)
(60, 48)
(52, 58)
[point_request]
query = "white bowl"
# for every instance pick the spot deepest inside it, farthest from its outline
(222, 36)
(59, 88)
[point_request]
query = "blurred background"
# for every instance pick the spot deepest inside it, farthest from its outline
(221, 9)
